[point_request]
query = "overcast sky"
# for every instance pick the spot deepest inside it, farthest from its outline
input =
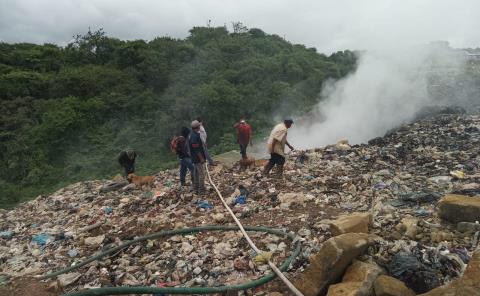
(326, 25)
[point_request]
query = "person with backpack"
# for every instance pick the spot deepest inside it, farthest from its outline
(179, 146)
(197, 153)
(126, 159)
(244, 136)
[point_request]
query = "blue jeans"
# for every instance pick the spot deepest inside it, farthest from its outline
(185, 163)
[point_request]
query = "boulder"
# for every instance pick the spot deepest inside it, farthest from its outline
(408, 226)
(389, 286)
(345, 289)
(467, 284)
(358, 280)
(328, 265)
(352, 223)
(459, 208)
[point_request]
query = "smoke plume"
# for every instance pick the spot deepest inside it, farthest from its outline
(388, 88)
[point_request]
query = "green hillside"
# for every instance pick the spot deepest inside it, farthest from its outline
(66, 112)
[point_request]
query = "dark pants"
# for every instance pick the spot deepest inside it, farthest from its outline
(129, 169)
(243, 150)
(199, 178)
(185, 164)
(275, 160)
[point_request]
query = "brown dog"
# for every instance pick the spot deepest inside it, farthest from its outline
(139, 181)
(247, 163)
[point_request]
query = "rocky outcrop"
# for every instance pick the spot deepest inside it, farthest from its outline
(328, 265)
(459, 208)
(357, 281)
(389, 286)
(352, 223)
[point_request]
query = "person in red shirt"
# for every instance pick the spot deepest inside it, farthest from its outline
(244, 136)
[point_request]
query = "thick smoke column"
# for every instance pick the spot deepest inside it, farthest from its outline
(387, 89)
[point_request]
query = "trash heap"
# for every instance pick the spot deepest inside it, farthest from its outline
(414, 192)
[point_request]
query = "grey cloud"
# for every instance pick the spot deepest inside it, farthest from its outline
(326, 25)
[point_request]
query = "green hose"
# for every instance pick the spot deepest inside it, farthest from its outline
(171, 290)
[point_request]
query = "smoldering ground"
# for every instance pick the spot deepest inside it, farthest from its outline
(388, 88)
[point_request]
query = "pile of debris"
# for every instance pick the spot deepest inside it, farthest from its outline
(405, 206)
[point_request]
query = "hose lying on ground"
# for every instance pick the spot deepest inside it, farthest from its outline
(250, 242)
(178, 290)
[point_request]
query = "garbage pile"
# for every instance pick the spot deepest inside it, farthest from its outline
(399, 179)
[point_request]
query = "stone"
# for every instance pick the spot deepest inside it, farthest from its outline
(388, 286)
(408, 226)
(467, 285)
(440, 236)
(468, 227)
(68, 278)
(345, 289)
(94, 241)
(353, 223)
(459, 208)
(328, 265)
(365, 274)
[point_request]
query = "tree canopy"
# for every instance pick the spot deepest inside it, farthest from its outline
(66, 112)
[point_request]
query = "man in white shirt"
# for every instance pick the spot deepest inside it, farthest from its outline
(203, 136)
(276, 147)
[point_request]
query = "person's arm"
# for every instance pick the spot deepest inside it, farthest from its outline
(289, 146)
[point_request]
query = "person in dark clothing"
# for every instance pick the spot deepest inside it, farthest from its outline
(183, 153)
(127, 160)
(197, 153)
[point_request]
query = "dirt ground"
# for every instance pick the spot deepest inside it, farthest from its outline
(27, 287)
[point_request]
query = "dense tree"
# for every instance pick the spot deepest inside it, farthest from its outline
(67, 111)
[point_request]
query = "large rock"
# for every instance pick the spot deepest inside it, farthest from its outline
(389, 286)
(353, 223)
(345, 289)
(459, 208)
(467, 285)
(328, 265)
(358, 280)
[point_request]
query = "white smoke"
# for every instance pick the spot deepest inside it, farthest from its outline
(386, 90)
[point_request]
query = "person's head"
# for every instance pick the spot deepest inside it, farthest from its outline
(288, 122)
(199, 119)
(195, 125)
(242, 120)
(185, 131)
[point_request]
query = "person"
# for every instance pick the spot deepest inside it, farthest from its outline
(244, 136)
(126, 159)
(183, 154)
(276, 147)
(203, 135)
(197, 153)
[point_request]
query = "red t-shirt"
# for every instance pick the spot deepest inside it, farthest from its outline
(244, 132)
